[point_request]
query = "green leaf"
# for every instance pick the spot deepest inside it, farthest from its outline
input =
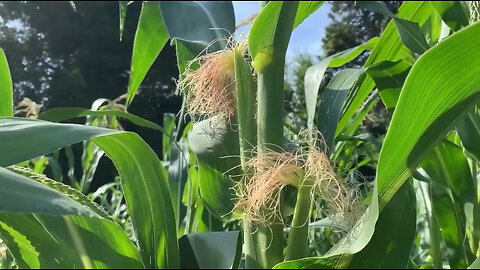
(447, 166)
(468, 129)
(122, 6)
(332, 102)
(62, 114)
(146, 190)
(99, 243)
(22, 195)
(26, 256)
(211, 250)
(144, 180)
(394, 234)
(177, 177)
(65, 190)
(452, 187)
(389, 246)
(6, 87)
(389, 77)
(314, 75)
(200, 22)
(24, 138)
(411, 35)
(169, 128)
(454, 13)
(305, 8)
(339, 255)
(389, 48)
(150, 39)
(452, 223)
(376, 6)
(410, 32)
(439, 93)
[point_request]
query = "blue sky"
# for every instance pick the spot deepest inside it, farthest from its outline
(307, 37)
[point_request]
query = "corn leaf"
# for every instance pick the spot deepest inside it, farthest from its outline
(122, 6)
(314, 75)
(6, 87)
(390, 48)
(439, 93)
(305, 8)
(468, 129)
(150, 38)
(202, 22)
(332, 102)
(454, 13)
(63, 114)
(144, 180)
(146, 190)
(389, 77)
(46, 241)
(211, 250)
(410, 32)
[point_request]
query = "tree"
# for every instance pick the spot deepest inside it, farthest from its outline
(60, 57)
(352, 26)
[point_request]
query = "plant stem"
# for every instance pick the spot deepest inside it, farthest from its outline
(297, 245)
(265, 243)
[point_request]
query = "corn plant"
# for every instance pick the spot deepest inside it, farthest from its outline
(231, 189)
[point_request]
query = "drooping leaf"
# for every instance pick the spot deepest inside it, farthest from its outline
(22, 195)
(24, 138)
(6, 87)
(51, 185)
(62, 114)
(144, 180)
(211, 250)
(201, 23)
(150, 38)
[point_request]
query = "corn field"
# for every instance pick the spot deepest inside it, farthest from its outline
(236, 187)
